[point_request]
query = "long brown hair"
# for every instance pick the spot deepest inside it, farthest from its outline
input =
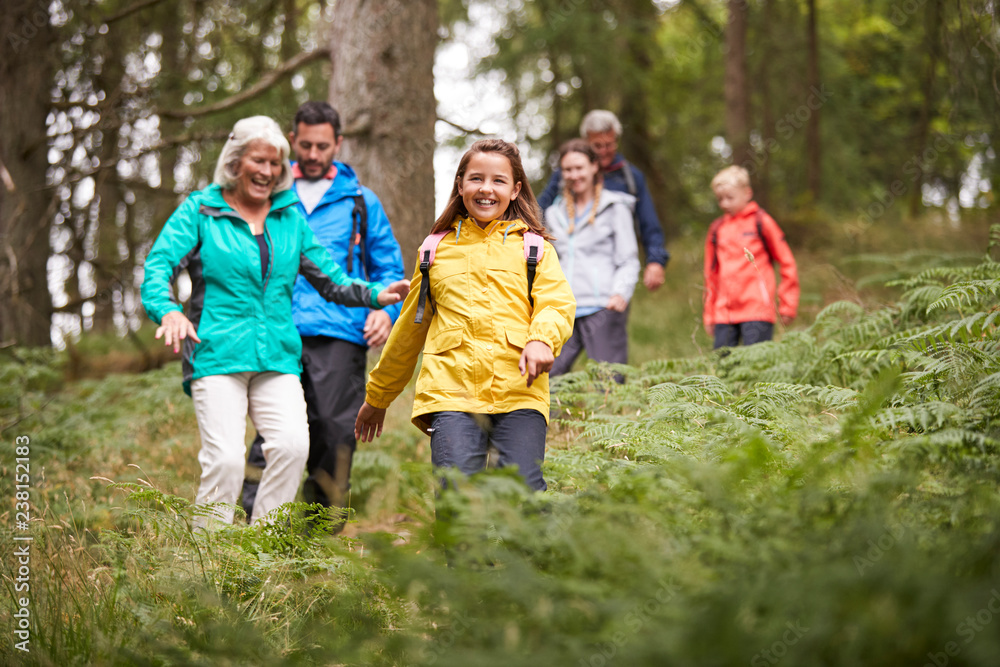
(524, 207)
(585, 149)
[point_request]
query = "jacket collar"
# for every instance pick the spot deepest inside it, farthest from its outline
(467, 228)
(607, 198)
(618, 163)
(747, 211)
(213, 199)
(344, 184)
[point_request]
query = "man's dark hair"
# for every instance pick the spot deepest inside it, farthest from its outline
(317, 113)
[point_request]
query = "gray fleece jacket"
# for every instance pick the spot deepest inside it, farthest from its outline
(602, 259)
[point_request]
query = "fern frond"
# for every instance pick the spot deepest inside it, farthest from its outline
(869, 328)
(829, 397)
(693, 388)
(985, 395)
(971, 293)
(921, 417)
(836, 314)
(915, 302)
(607, 431)
(953, 441)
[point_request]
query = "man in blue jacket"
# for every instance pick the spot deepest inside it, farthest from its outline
(602, 129)
(349, 221)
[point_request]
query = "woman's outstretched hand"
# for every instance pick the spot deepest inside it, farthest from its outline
(368, 425)
(394, 293)
(536, 359)
(175, 327)
(618, 303)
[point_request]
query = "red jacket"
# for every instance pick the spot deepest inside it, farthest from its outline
(735, 289)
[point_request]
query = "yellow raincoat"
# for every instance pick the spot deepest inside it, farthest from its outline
(472, 343)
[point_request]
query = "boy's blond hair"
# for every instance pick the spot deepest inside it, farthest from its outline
(734, 176)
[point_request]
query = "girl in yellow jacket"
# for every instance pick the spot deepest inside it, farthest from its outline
(488, 344)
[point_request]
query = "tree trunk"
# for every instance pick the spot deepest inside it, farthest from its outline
(762, 191)
(106, 258)
(383, 86)
(813, 147)
(26, 70)
(932, 46)
(635, 114)
(735, 86)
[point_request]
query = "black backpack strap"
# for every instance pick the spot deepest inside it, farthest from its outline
(763, 239)
(713, 233)
(532, 261)
(425, 284)
(425, 255)
(359, 233)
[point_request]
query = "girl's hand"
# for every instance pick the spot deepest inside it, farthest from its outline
(175, 326)
(787, 319)
(617, 303)
(536, 359)
(394, 293)
(368, 425)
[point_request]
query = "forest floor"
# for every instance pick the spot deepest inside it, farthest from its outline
(709, 511)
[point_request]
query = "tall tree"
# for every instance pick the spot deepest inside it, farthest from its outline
(932, 49)
(26, 67)
(735, 88)
(383, 87)
(813, 147)
(762, 192)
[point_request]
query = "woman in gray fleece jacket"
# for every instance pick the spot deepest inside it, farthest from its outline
(595, 240)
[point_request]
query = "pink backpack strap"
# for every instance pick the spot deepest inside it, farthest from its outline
(534, 248)
(533, 240)
(425, 255)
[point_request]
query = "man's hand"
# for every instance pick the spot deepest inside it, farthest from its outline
(787, 319)
(377, 328)
(653, 276)
(536, 359)
(175, 326)
(617, 303)
(394, 293)
(368, 425)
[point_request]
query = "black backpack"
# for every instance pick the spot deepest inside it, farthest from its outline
(359, 232)
(714, 233)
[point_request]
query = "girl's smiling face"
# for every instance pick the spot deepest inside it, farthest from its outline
(488, 187)
(579, 172)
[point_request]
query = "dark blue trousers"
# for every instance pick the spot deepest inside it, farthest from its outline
(461, 440)
(729, 335)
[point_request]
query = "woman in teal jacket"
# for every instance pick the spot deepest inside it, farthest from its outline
(243, 241)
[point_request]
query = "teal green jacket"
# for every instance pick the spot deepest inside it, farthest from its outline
(244, 322)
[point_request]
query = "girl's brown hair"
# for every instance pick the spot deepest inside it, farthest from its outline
(581, 146)
(524, 207)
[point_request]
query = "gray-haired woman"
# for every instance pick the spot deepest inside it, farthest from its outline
(243, 242)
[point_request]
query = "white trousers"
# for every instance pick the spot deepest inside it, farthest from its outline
(277, 410)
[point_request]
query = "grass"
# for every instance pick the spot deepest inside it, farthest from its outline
(810, 501)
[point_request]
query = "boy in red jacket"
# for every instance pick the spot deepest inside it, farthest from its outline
(740, 253)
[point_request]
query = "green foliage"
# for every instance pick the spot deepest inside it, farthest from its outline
(829, 498)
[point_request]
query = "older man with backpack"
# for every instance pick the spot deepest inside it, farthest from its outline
(602, 129)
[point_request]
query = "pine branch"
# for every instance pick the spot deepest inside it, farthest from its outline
(131, 9)
(465, 130)
(262, 86)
